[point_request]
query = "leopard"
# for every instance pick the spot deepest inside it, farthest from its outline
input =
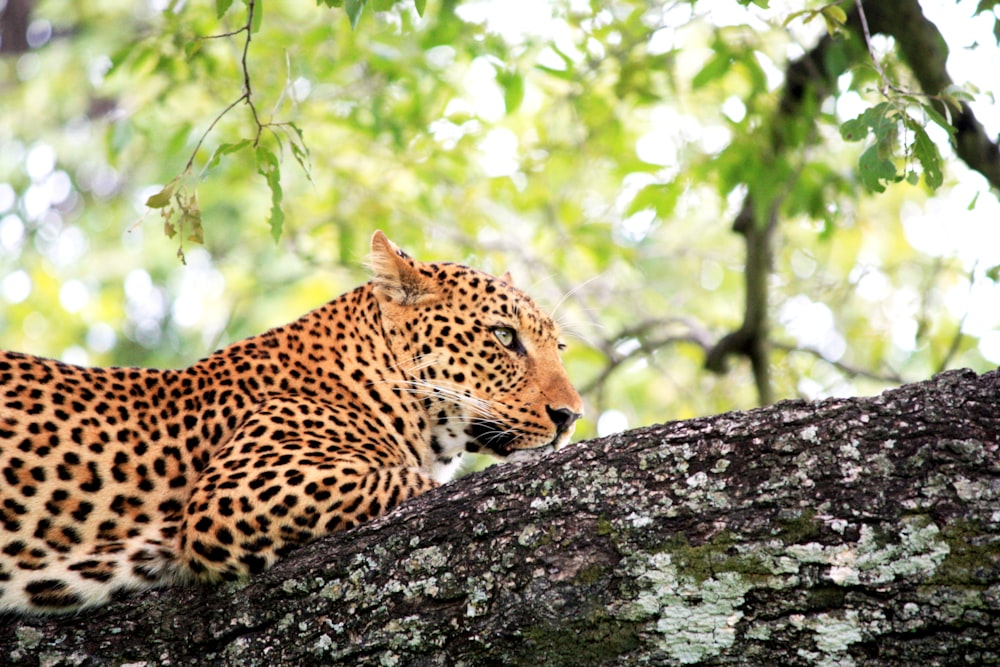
(116, 480)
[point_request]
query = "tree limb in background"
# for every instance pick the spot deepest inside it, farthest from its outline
(15, 16)
(751, 338)
(808, 80)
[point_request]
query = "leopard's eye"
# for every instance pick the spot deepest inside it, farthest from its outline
(505, 335)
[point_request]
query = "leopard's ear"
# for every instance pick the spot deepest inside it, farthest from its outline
(396, 275)
(507, 278)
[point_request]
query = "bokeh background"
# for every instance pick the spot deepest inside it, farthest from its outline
(600, 151)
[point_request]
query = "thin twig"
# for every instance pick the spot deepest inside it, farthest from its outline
(871, 51)
(222, 35)
(886, 83)
(194, 153)
(890, 377)
(247, 91)
(647, 346)
(246, 96)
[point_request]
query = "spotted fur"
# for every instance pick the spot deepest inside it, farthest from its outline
(128, 478)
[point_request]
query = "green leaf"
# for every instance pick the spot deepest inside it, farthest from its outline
(661, 197)
(162, 198)
(354, 9)
(277, 219)
(298, 132)
(513, 89)
(258, 16)
(269, 167)
(855, 129)
(829, 227)
(993, 273)
(714, 69)
(874, 169)
(835, 14)
(382, 5)
(972, 204)
(225, 149)
(267, 161)
(831, 26)
(836, 59)
(221, 7)
(879, 119)
(926, 151)
(565, 75)
(938, 119)
(420, 5)
(794, 15)
(300, 150)
(301, 154)
(192, 48)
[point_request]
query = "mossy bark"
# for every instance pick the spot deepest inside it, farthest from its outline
(847, 532)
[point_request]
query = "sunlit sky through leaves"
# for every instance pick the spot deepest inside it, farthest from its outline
(419, 135)
(956, 222)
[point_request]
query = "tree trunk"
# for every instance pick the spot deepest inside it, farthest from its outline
(15, 15)
(847, 532)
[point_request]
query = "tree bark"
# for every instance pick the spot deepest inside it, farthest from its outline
(15, 15)
(856, 531)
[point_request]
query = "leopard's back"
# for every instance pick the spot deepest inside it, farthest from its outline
(95, 474)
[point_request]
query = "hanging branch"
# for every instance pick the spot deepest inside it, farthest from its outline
(808, 80)
(247, 95)
(924, 50)
(178, 200)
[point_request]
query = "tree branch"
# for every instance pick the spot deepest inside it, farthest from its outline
(889, 377)
(245, 96)
(751, 338)
(855, 531)
(15, 17)
(807, 83)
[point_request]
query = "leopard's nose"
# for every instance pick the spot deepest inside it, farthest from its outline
(563, 418)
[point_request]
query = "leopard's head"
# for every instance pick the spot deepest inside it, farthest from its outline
(479, 352)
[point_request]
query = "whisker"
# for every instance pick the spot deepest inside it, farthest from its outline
(420, 362)
(427, 389)
(576, 288)
(534, 285)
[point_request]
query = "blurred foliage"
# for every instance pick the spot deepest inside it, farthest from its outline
(597, 150)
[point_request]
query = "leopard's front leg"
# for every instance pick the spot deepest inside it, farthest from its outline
(293, 472)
